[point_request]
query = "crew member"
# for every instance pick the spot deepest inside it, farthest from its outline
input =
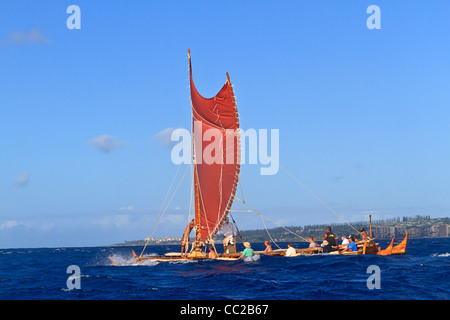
(330, 240)
(185, 238)
(229, 235)
(364, 235)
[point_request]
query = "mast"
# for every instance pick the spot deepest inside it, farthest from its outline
(197, 240)
(198, 249)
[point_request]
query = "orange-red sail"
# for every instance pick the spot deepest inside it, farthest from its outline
(216, 146)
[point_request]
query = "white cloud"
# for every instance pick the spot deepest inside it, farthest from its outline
(9, 224)
(162, 138)
(175, 219)
(22, 179)
(33, 36)
(46, 226)
(106, 143)
(117, 220)
(121, 220)
(43, 226)
(126, 208)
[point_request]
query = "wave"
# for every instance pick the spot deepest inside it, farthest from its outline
(252, 258)
(445, 255)
(127, 260)
(121, 260)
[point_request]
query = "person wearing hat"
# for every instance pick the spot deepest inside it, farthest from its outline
(351, 247)
(248, 251)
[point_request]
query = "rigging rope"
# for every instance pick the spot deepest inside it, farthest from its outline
(262, 218)
(309, 191)
(161, 215)
(237, 229)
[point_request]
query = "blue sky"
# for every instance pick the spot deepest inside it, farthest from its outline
(363, 114)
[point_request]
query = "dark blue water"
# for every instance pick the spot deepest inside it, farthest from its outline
(422, 273)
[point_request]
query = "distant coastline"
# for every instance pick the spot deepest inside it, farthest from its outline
(417, 227)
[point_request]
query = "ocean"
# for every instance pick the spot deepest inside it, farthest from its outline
(86, 274)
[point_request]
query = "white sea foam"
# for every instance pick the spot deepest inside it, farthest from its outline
(147, 263)
(252, 258)
(444, 255)
(120, 260)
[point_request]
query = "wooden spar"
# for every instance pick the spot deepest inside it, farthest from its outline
(197, 249)
(228, 77)
(370, 225)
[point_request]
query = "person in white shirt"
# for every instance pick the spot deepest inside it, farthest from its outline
(290, 252)
(229, 235)
(344, 241)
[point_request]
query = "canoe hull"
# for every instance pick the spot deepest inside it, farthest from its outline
(175, 257)
(364, 247)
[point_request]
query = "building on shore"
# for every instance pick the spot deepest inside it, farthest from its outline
(433, 231)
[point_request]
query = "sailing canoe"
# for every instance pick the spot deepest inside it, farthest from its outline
(216, 165)
(216, 175)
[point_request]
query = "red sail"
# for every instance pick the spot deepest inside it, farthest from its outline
(216, 146)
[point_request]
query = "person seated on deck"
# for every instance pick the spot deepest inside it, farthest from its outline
(212, 253)
(329, 241)
(290, 252)
(351, 247)
(248, 251)
(364, 235)
(185, 238)
(312, 243)
(268, 246)
(344, 241)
